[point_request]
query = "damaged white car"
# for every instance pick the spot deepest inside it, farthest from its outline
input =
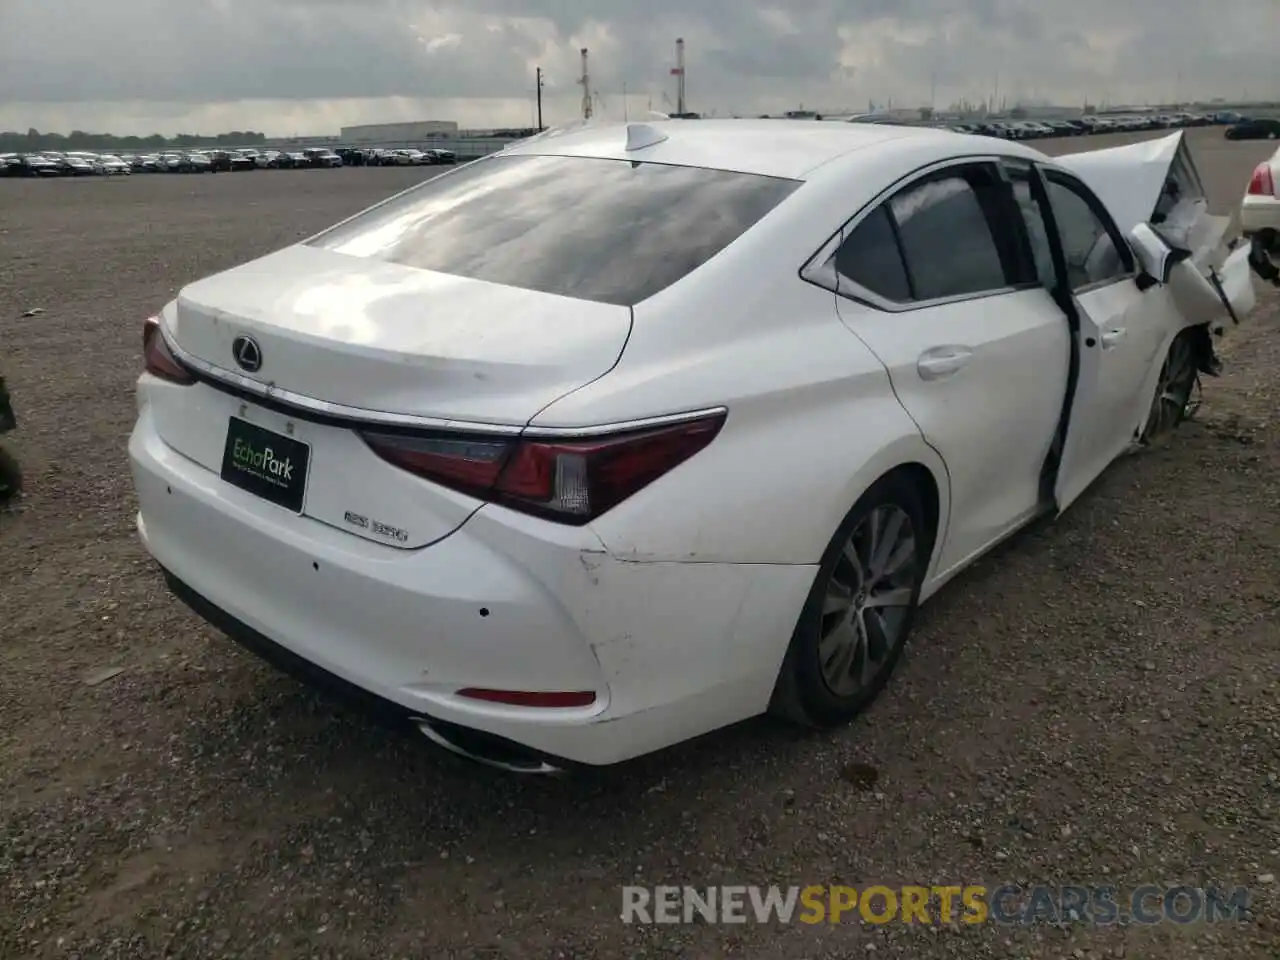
(629, 433)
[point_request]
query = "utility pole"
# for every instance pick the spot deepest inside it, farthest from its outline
(587, 110)
(678, 72)
(539, 83)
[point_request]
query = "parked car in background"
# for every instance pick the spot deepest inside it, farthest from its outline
(396, 158)
(77, 166)
(219, 160)
(113, 166)
(322, 157)
(1260, 209)
(243, 160)
(38, 165)
(1261, 128)
(352, 156)
(440, 155)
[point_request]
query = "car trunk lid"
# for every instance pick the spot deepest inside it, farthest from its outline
(386, 338)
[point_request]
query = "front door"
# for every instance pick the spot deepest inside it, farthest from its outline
(1121, 333)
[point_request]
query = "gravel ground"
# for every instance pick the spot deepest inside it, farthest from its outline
(1095, 702)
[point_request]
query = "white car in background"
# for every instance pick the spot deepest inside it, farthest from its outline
(1260, 209)
(630, 432)
(113, 166)
(1260, 217)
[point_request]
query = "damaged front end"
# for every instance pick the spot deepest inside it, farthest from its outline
(1155, 192)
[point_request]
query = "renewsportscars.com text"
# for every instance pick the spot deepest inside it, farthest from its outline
(935, 904)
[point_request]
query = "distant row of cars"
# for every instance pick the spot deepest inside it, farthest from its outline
(57, 163)
(1083, 126)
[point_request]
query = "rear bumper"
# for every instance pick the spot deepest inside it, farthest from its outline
(672, 650)
(473, 744)
(1260, 216)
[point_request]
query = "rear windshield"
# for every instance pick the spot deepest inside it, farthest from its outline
(613, 231)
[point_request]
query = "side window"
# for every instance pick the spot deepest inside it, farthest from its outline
(936, 238)
(1092, 253)
(870, 257)
(947, 240)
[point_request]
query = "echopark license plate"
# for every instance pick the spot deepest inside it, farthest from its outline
(265, 463)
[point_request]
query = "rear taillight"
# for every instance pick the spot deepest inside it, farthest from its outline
(569, 481)
(157, 358)
(1262, 183)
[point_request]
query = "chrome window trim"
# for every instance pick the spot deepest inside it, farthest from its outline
(621, 426)
(362, 417)
(820, 270)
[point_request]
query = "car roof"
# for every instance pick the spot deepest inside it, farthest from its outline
(773, 148)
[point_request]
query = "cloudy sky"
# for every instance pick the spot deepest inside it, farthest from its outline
(310, 66)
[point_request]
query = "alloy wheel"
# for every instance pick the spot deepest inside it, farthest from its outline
(867, 601)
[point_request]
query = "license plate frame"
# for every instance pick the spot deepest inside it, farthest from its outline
(266, 463)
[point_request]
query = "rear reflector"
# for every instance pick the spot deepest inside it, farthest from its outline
(569, 481)
(1262, 183)
(158, 360)
(527, 698)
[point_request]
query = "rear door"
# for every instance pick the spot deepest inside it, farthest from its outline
(933, 281)
(1121, 328)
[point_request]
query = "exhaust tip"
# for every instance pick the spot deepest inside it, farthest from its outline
(485, 748)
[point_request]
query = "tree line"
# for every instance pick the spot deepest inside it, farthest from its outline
(33, 140)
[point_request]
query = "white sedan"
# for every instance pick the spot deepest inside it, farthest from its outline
(630, 432)
(1260, 213)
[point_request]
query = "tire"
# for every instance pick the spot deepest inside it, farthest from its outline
(817, 694)
(1172, 402)
(10, 477)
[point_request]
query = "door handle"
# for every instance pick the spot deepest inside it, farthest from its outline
(942, 362)
(1112, 337)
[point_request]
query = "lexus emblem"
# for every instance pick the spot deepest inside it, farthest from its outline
(247, 353)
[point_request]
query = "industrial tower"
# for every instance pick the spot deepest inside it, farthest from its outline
(678, 72)
(585, 80)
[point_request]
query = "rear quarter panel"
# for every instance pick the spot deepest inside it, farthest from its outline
(812, 423)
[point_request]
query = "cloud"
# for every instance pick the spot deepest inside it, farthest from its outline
(135, 66)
